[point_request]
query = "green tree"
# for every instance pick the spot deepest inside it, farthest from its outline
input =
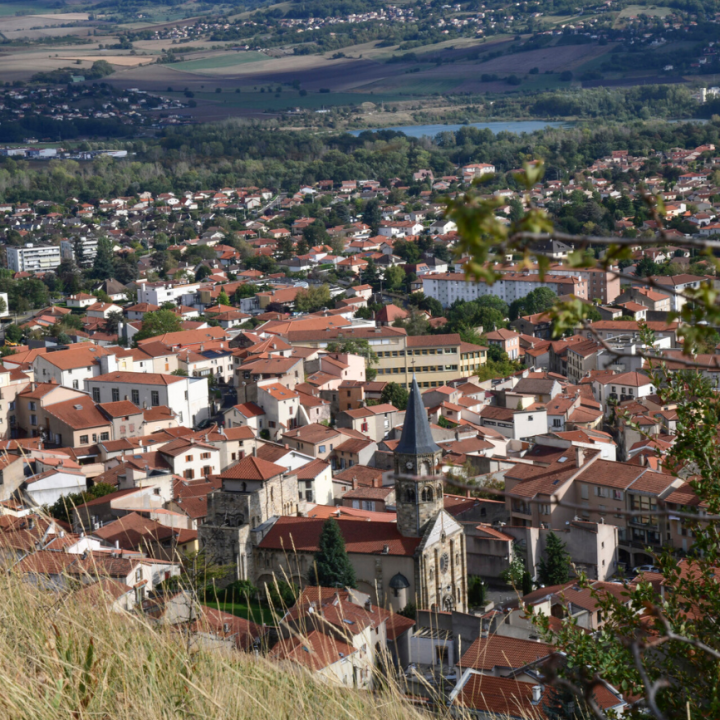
(554, 566)
(158, 323)
(286, 247)
(312, 235)
(113, 320)
(223, 299)
(369, 276)
(103, 265)
(372, 216)
(415, 323)
(62, 508)
(3, 306)
(315, 298)
(394, 277)
(202, 272)
(477, 591)
(332, 567)
(409, 611)
(79, 251)
(537, 301)
(647, 267)
(355, 347)
(13, 333)
(281, 595)
(396, 395)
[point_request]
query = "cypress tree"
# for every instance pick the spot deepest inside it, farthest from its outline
(103, 268)
(332, 565)
(554, 567)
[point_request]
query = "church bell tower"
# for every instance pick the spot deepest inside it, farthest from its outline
(418, 482)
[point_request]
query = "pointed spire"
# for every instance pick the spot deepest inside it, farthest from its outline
(416, 436)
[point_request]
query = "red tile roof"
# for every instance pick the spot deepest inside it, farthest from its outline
(303, 534)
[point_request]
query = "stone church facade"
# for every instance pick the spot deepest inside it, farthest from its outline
(253, 524)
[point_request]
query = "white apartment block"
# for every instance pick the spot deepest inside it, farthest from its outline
(89, 250)
(158, 293)
(449, 287)
(70, 368)
(33, 258)
(187, 396)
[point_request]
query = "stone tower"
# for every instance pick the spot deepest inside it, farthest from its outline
(418, 483)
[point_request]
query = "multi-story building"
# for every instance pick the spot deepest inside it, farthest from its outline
(89, 250)
(433, 359)
(157, 293)
(73, 366)
(602, 285)
(33, 258)
(451, 286)
(678, 286)
(187, 396)
(622, 494)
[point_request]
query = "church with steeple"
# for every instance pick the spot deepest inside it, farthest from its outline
(440, 558)
(255, 523)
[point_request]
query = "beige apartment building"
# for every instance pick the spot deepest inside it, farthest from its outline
(433, 359)
(577, 484)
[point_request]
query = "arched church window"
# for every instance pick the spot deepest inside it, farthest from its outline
(410, 495)
(424, 469)
(427, 494)
(244, 487)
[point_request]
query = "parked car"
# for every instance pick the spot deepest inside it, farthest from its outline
(646, 569)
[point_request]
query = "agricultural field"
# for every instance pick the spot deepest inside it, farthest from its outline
(633, 11)
(222, 62)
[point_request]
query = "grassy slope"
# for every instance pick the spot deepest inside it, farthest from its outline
(141, 671)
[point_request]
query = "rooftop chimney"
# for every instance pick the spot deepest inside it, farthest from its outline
(377, 482)
(537, 691)
(354, 483)
(579, 456)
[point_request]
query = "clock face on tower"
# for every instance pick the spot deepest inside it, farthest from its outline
(444, 562)
(409, 465)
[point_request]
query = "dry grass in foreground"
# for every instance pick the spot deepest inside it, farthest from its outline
(60, 658)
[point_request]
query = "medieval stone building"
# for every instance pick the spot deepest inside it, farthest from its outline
(253, 523)
(253, 492)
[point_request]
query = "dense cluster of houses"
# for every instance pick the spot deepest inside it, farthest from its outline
(245, 429)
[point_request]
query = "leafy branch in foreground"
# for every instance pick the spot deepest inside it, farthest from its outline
(659, 640)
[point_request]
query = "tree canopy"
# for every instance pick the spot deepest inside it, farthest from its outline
(332, 567)
(158, 322)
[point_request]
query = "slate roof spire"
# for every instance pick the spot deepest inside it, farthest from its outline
(416, 436)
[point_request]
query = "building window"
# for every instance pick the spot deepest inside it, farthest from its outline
(83, 439)
(188, 458)
(321, 449)
(115, 394)
(76, 384)
(207, 470)
(188, 475)
(155, 398)
(33, 419)
(96, 394)
(104, 436)
(32, 406)
(205, 456)
(135, 397)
